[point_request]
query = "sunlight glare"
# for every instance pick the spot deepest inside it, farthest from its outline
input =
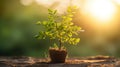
(76, 3)
(26, 2)
(117, 1)
(65, 3)
(102, 10)
(45, 2)
(61, 6)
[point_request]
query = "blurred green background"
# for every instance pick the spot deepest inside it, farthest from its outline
(18, 27)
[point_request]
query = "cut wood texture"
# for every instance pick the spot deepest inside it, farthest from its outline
(94, 61)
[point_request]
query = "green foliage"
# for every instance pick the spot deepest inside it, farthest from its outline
(60, 27)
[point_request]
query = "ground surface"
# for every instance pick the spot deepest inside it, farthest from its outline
(95, 61)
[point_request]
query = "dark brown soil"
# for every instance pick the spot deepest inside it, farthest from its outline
(57, 56)
(94, 61)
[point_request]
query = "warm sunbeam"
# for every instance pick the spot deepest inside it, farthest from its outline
(102, 10)
(44, 2)
(61, 5)
(26, 2)
(117, 1)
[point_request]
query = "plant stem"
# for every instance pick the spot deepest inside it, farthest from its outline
(59, 40)
(60, 44)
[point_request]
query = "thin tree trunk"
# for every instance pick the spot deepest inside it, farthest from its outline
(60, 44)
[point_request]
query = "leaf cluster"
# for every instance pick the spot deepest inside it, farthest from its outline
(60, 27)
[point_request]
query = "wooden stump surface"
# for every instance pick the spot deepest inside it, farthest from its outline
(95, 61)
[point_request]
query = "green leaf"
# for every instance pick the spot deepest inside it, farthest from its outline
(71, 23)
(70, 15)
(70, 34)
(69, 19)
(44, 23)
(77, 40)
(38, 23)
(36, 36)
(64, 17)
(50, 10)
(55, 45)
(55, 11)
(69, 9)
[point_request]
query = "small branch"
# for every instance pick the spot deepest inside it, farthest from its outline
(60, 44)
